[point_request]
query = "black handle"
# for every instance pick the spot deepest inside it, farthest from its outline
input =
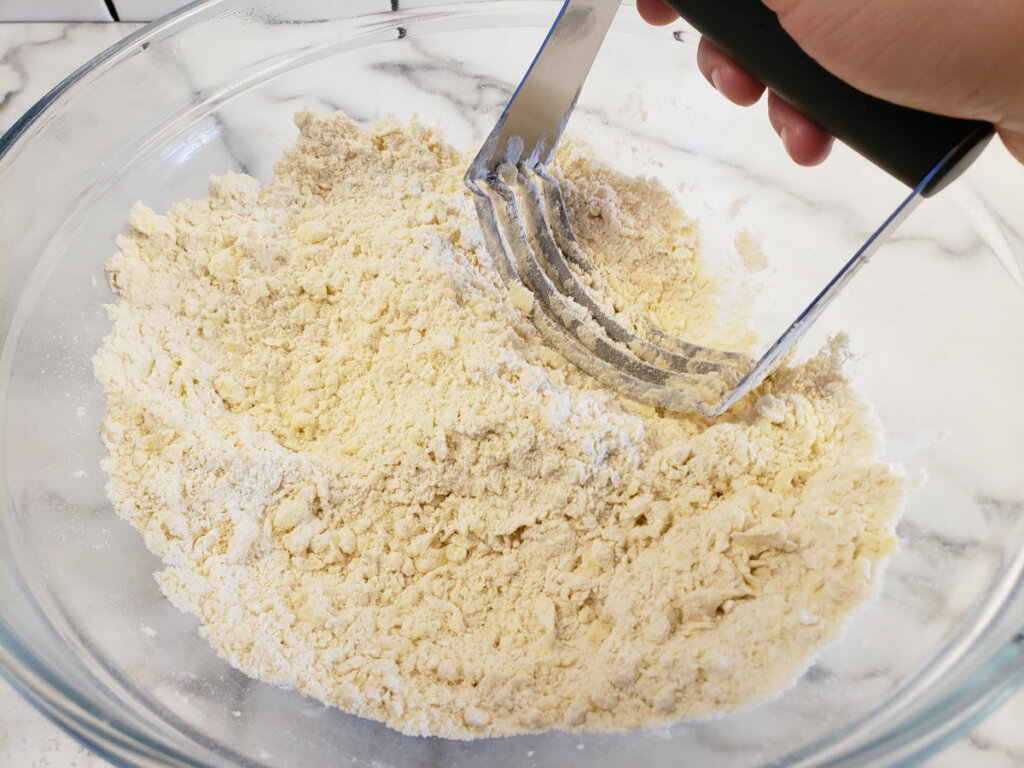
(904, 142)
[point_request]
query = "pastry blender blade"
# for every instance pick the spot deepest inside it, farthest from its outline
(530, 239)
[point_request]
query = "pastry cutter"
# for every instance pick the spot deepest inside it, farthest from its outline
(530, 239)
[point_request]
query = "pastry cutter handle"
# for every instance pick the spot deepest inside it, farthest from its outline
(906, 143)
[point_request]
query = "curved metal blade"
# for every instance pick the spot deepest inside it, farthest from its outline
(802, 324)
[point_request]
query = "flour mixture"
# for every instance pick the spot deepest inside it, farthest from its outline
(373, 482)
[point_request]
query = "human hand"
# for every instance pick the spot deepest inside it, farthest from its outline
(944, 56)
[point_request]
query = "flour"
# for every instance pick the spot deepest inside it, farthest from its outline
(373, 482)
(754, 257)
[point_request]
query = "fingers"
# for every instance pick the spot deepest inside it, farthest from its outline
(656, 12)
(1013, 141)
(805, 142)
(726, 75)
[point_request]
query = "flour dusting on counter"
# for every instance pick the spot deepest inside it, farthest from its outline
(373, 482)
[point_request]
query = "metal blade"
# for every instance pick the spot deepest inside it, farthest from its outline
(529, 129)
(806, 319)
(948, 168)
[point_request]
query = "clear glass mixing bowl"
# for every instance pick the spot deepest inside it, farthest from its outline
(937, 321)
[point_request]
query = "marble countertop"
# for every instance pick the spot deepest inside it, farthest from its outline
(33, 58)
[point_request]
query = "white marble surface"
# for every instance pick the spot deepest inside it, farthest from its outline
(144, 10)
(54, 10)
(33, 58)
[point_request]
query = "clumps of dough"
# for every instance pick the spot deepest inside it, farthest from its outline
(373, 482)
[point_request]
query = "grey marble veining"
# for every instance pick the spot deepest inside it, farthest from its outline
(35, 57)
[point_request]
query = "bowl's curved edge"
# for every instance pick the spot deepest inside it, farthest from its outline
(108, 57)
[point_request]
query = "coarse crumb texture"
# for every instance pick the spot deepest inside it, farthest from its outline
(372, 481)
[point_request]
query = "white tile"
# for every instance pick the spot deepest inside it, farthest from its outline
(145, 10)
(54, 10)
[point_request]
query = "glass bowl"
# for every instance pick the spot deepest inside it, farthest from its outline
(936, 321)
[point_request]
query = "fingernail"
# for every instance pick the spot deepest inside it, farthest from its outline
(782, 135)
(716, 80)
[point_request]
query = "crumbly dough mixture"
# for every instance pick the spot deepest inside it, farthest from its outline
(373, 482)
